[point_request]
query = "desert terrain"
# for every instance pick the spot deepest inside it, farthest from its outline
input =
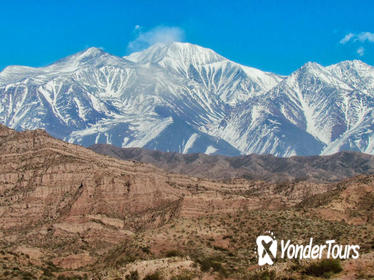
(67, 212)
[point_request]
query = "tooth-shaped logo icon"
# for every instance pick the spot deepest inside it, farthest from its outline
(266, 249)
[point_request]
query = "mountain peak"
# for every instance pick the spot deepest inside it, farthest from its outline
(351, 64)
(85, 55)
(89, 57)
(183, 52)
(311, 65)
(309, 69)
(91, 52)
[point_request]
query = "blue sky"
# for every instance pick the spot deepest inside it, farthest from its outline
(277, 36)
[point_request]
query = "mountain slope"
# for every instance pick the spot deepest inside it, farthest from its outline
(180, 97)
(215, 74)
(268, 168)
(67, 212)
(313, 111)
(93, 97)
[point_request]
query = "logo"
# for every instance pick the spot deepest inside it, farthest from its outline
(267, 249)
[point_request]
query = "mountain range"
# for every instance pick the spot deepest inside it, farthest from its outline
(268, 168)
(184, 98)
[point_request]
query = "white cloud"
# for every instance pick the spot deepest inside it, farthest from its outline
(347, 38)
(159, 34)
(360, 37)
(366, 36)
(361, 51)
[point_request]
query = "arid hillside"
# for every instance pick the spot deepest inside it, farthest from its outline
(69, 213)
(268, 168)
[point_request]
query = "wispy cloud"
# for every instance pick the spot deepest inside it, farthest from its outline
(358, 37)
(366, 36)
(159, 34)
(358, 41)
(347, 38)
(361, 51)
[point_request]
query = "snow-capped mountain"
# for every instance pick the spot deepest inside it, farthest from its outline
(313, 111)
(185, 98)
(231, 82)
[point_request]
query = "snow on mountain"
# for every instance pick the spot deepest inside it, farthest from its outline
(312, 111)
(185, 98)
(356, 74)
(214, 74)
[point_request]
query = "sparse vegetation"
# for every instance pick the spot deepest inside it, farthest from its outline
(173, 253)
(325, 268)
(212, 263)
(185, 275)
(209, 231)
(134, 275)
(153, 276)
(264, 275)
